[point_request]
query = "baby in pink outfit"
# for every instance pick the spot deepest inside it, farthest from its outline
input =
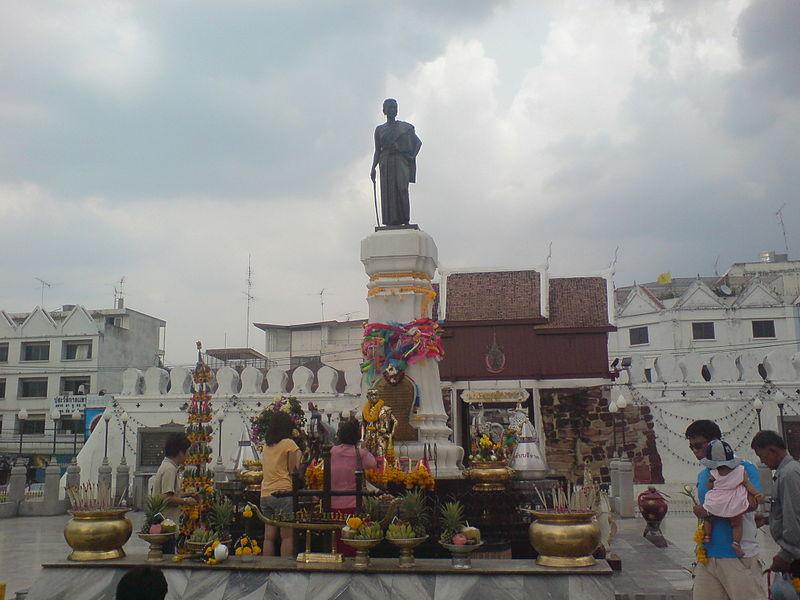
(729, 492)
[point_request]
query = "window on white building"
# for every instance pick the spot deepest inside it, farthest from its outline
(4, 352)
(648, 375)
(72, 385)
(33, 425)
(703, 330)
(70, 426)
(80, 350)
(33, 387)
(2, 388)
(763, 329)
(35, 351)
(639, 336)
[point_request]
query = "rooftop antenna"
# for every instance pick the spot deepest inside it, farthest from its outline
(44, 284)
(250, 299)
(779, 215)
(716, 266)
(322, 303)
(119, 293)
(612, 266)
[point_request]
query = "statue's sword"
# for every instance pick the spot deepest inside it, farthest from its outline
(375, 196)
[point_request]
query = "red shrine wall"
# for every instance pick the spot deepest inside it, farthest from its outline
(528, 353)
(577, 426)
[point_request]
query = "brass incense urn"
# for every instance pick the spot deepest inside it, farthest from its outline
(489, 476)
(564, 539)
(97, 535)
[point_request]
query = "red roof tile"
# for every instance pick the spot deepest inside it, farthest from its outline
(493, 296)
(577, 302)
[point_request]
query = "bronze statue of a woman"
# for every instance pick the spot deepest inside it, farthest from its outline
(396, 149)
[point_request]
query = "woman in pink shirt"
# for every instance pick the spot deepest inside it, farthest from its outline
(346, 459)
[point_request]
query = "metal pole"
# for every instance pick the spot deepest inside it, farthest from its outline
(20, 437)
(105, 450)
(219, 448)
(124, 437)
(75, 441)
(55, 431)
(758, 412)
(624, 443)
(780, 408)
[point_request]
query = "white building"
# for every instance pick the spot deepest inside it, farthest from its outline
(713, 347)
(47, 354)
(334, 343)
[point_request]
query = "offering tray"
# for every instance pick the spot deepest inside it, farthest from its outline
(332, 525)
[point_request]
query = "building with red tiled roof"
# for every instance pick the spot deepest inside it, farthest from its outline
(512, 334)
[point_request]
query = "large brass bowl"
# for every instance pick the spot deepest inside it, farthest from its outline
(489, 476)
(564, 539)
(97, 535)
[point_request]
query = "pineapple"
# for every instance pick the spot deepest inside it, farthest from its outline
(153, 505)
(452, 516)
(413, 509)
(221, 518)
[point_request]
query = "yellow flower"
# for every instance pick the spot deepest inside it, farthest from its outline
(215, 544)
(796, 584)
(247, 551)
(245, 540)
(256, 550)
(354, 522)
(238, 552)
(212, 561)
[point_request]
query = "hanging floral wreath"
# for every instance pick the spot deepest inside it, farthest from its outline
(399, 345)
(290, 405)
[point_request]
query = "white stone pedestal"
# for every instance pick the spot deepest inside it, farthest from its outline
(400, 264)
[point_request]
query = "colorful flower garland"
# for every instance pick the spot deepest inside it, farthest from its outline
(289, 405)
(399, 345)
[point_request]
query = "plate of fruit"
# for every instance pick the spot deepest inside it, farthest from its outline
(201, 538)
(457, 536)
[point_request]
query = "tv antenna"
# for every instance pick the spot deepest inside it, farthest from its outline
(779, 215)
(119, 291)
(716, 266)
(43, 284)
(322, 303)
(250, 299)
(549, 256)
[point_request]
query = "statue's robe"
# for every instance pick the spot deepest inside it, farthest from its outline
(398, 146)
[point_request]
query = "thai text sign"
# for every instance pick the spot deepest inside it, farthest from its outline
(517, 396)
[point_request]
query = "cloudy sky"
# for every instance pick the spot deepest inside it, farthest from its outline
(166, 141)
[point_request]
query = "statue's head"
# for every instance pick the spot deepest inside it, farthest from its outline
(372, 395)
(390, 107)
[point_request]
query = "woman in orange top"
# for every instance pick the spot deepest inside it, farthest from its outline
(279, 460)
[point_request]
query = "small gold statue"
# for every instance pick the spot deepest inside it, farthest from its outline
(379, 424)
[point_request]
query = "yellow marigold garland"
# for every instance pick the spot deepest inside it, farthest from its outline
(700, 549)
(371, 413)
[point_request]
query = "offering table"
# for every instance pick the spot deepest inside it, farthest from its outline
(279, 579)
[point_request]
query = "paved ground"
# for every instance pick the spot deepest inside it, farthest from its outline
(648, 573)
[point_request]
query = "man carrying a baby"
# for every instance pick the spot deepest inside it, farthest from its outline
(733, 570)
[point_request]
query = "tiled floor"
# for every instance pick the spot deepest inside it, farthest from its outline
(25, 543)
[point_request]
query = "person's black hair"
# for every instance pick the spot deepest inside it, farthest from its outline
(142, 583)
(349, 432)
(280, 428)
(705, 429)
(175, 444)
(767, 439)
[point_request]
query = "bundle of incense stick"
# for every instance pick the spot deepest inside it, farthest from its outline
(90, 496)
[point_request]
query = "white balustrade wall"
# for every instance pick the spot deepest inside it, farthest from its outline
(718, 386)
(157, 397)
